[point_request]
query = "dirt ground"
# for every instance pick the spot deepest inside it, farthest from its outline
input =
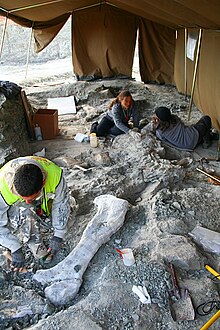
(167, 196)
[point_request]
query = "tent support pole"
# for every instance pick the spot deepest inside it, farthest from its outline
(28, 52)
(195, 72)
(34, 6)
(56, 1)
(3, 36)
(185, 53)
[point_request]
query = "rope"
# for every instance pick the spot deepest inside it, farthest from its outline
(207, 307)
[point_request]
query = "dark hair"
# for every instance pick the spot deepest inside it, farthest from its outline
(163, 125)
(121, 96)
(163, 113)
(28, 180)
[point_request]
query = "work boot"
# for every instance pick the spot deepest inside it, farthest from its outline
(214, 136)
(207, 141)
(93, 127)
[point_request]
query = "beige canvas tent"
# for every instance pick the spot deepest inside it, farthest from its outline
(179, 40)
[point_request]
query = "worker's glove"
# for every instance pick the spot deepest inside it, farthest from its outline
(17, 261)
(134, 134)
(55, 245)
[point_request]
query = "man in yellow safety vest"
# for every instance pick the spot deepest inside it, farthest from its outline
(31, 189)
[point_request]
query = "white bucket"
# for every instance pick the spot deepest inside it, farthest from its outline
(128, 257)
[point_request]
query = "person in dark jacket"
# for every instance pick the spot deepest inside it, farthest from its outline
(116, 121)
(169, 128)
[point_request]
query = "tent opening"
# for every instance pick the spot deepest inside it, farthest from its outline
(54, 60)
(136, 67)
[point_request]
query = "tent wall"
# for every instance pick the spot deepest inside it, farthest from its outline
(103, 42)
(206, 95)
(44, 33)
(156, 52)
(103, 39)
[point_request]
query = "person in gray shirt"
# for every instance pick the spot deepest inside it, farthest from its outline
(118, 117)
(170, 129)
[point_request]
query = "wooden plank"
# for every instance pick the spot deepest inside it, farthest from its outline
(28, 115)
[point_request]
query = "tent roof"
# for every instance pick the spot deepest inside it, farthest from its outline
(172, 13)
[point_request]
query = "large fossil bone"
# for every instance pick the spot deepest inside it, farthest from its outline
(64, 280)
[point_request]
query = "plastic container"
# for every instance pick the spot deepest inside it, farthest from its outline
(38, 134)
(127, 256)
(93, 140)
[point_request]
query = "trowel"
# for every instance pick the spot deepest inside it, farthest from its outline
(180, 302)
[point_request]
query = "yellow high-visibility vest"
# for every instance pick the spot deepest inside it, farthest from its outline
(54, 174)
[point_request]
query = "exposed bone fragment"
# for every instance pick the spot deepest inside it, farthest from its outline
(64, 280)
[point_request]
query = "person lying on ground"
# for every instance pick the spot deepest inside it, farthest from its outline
(170, 129)
(118, 118)
(32, 189)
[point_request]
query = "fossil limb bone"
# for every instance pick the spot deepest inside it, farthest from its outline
(64, 280)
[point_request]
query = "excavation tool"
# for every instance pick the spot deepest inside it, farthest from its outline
(212, 271)
(217, 314)
(212, 178)
(181, 306)
(120, 252)
(211, 321)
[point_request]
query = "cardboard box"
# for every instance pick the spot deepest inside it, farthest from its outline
(47, 119)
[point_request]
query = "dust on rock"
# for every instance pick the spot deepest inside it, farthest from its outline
(167, 197)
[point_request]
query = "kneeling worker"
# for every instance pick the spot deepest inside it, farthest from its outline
(31, 189)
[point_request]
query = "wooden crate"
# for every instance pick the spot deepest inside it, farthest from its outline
(47, 119)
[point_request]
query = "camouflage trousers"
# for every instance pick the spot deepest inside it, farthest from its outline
(24, 223)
